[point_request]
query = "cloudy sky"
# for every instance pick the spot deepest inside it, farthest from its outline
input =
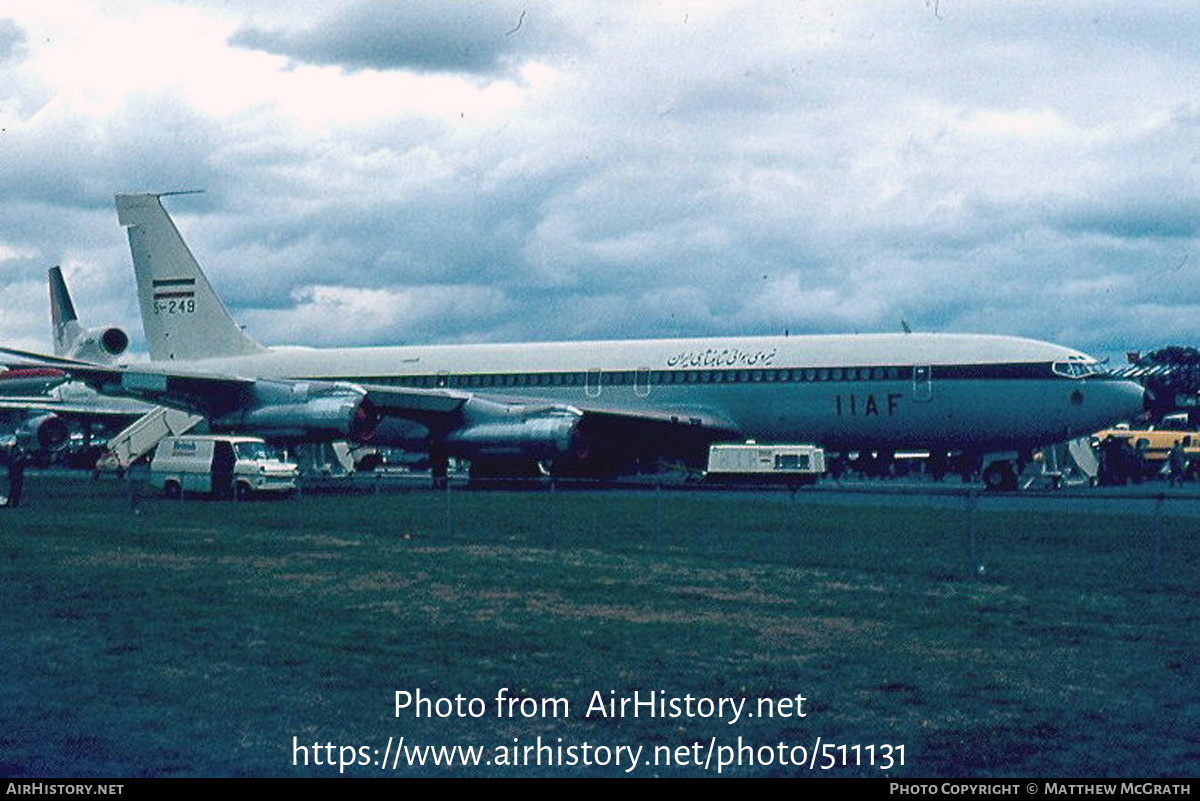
(383, 172)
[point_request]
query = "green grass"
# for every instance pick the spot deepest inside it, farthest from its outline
(198, 638)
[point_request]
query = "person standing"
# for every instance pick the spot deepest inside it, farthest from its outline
(15, 460)
(1176, 465)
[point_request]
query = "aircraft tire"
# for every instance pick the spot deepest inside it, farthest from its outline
(1000, 477)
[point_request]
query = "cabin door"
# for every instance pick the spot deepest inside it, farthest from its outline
(592, 386)
(922, 383)
(641, 382)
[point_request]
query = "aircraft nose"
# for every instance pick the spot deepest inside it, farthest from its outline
(1116, 401)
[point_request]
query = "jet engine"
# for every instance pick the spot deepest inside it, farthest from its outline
(399, 432)
(532, 438)
(42, 432)
(100, 345)
(303, 411)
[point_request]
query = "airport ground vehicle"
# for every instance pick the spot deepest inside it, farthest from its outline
(1142, 453)
(751, 462)
(220, 466)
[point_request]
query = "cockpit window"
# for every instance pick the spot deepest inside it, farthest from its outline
(1077, 368)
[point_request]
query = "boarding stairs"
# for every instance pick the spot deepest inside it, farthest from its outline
(140, 437)
(324, 459)
(1067, 464)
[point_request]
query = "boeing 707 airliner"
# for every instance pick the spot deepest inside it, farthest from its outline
(594, 408)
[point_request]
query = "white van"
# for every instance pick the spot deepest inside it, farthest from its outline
(221, 466)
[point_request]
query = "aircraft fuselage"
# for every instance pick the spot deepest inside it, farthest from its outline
(877, 391)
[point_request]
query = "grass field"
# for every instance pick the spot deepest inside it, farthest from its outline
(200, 638)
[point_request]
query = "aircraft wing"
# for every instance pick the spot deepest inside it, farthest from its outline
(70, 409)
(40, 423)
(199, 393)
(616, 439)
(502, 426)
(462, 423)
(417, 403)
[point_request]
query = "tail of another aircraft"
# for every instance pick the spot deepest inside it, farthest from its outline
(64, 323)
(183, 318)
(71, 339)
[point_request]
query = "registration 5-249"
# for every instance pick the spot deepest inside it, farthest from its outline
(175, 306)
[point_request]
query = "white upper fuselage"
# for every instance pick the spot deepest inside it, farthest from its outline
(878, 391)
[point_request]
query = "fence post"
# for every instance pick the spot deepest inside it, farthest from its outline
(1157, 578)
(976, 566)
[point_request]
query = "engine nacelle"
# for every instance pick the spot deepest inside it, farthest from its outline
(303, 412)
(42, 432)
(399, 432)
(100, 345)
(539, 437)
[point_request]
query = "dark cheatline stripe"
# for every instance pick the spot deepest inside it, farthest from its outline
(1008, 371)
(1014, 370)
(174, 282)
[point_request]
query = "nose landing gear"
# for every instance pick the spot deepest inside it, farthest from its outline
(1000, 476)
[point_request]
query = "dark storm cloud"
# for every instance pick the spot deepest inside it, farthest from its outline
(429, 36)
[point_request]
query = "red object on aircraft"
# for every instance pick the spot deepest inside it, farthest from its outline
(31, 372)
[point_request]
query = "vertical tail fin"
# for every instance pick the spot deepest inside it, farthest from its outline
(71, 339)
(182, 316)
(64, 323)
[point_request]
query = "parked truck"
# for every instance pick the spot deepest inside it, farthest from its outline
(753, 463)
